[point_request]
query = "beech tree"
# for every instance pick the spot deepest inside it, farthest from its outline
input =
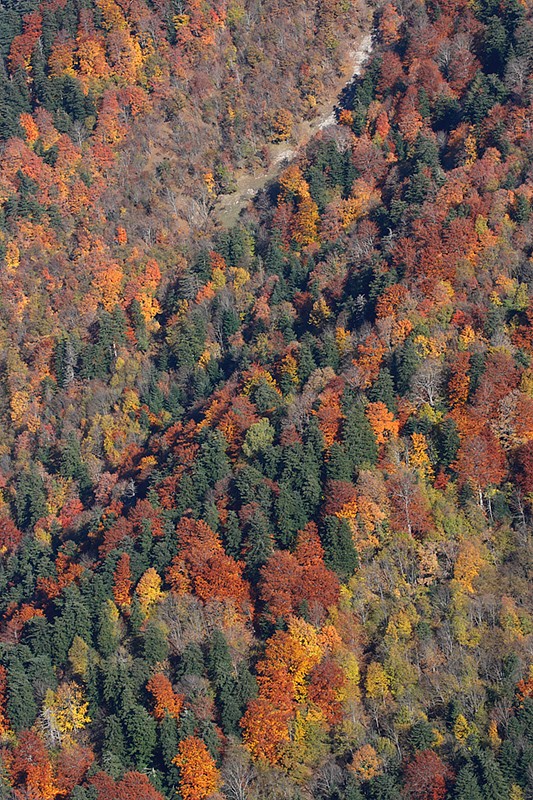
(199, 777)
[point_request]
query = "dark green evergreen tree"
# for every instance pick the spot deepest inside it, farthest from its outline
(139, 326)
(30, 499)
(447, 441)
(492, 782)
(384, 787)
(191, 662)
(108, 635)
(358, 437)
(421, 736)
(383, 390)
(338, 464)
(72, 618)
(232, 535)
(140, 735)
(37, 635)
(291, 516)
(221, 673)
(168, 747)
(337, 540)
(406, 362)
(72, 465)
(114, 746)
(155, 643)
(466, 785)
(212, 463)
(258, 545)
(21, 705)
(306, 361)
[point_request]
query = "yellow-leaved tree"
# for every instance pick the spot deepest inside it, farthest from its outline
(65, 712)
(149, 589)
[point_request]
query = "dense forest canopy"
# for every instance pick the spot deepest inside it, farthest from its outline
(266, 493)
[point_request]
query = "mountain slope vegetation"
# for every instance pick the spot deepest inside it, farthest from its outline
(266, 493)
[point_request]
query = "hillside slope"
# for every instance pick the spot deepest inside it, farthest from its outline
(266, 493)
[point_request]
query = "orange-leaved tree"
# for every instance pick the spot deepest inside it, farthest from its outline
(166, 700)
(122, 582)
(199, 776)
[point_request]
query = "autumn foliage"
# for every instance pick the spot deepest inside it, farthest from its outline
(266, 476)
(199, 777)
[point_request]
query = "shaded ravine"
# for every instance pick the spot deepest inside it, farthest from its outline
(228, 207)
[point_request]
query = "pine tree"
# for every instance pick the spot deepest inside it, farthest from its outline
(448, 441)
(358, 436)
(291, 516)
(508, 759)
(212, 463)
(247, 684)
(191, 662)
(421, 736)
(301, 473)
(406, 361)
(350, 791)
(275, 257)
(108, 635)
(168, 739)
(383, 390)
(43, 87)
(306, 361)
(168, 747)
(114, 744)
(338, 464)
(337, 540)
(232, 535)
(140, 730)
(258, 545)
(384, 787)
(221, 673)
(139, 325)
(155, 643)
(30, 500)
(137, 616)
(21, 706)
(74, 619)
(37, 635)
(65, 360)
(492, 782)
(72, 466)
(466, 785)
(314, 443)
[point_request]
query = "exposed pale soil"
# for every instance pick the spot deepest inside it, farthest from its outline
(229, 206)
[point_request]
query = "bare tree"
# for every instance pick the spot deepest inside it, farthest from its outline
(238, 773)
(328, 779)
(427, 383)
(517, 75)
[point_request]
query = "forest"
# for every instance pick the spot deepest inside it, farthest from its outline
(266, 491)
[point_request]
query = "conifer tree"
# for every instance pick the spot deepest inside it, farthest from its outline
(21, 705)
(30, 499)
(492, 782)
(383, 390)
(466, 785)
(337, 540)
(406, 361)
(358, 436)
(221, 673)
(339, 463)
(258, 545)
(140, 734)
